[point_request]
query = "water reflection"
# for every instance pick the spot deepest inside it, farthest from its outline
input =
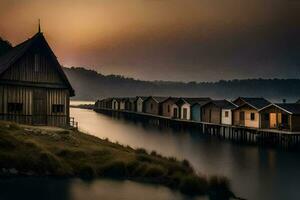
(256, 173)
(75, 189)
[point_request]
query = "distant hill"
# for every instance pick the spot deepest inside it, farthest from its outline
(90, 85)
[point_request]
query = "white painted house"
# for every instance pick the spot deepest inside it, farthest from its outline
(184, 109)
(226, 116)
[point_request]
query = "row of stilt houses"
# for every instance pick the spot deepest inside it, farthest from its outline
(249, 112)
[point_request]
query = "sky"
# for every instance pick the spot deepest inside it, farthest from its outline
(176, 40)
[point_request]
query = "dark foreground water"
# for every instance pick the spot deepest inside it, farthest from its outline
(76, 189)
(255, 173)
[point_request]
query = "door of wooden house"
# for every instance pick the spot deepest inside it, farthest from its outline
(242, 118)
(175, 113)
(273, 120)
(184, 113)
(39, 106)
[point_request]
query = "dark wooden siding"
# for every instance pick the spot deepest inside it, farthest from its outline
(36, 105)
(25, 70)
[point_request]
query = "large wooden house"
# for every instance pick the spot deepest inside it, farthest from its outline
(33, 86)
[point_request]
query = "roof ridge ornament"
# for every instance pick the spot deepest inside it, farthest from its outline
(39, 27)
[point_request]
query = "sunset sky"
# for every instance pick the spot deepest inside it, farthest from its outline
(181, 40)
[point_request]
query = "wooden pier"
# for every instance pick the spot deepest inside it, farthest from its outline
(244, 135)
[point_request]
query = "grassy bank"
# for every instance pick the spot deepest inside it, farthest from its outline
(36, 151)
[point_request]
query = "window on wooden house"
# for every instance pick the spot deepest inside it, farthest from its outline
(226, 113)
(14, 107)
(151, 106)
(36, 62)
(57, 108)
(252, 116)
(168, 108)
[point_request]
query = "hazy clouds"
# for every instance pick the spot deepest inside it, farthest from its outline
(186, 40)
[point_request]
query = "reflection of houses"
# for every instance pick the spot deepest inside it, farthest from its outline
(218, 112)
(33, 86)
(152, 105)
(283, 116)
(247, 112)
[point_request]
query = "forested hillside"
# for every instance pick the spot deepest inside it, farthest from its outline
(90, 85)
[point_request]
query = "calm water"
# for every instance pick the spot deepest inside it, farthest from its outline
(255, 173)
(75, 189)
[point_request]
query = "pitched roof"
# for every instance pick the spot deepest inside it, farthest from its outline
(255, 102)
(13, 55)
(158, 99)
(142, 97)
(192, 100)
(223, 104)
(172, 99)
(293, 108)
(180, 102)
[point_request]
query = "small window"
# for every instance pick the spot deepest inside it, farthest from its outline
(168, 108)
(252, 116)
(226, 113)
(57, 108)
(36, 63)
(14, 107)
(151, 106)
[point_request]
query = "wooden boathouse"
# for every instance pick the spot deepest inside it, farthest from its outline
(285, 133)
(33, 87)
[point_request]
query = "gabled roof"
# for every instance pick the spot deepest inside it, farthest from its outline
(224, 104)
(158, 99)
(142, 97)
(194, 100)
(172, 99)
(13, 55)
(255, 102)
(291, 108)
(181, 101)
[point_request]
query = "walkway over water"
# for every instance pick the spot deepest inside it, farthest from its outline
(269, 137)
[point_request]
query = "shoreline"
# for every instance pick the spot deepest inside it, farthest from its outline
(29, 151)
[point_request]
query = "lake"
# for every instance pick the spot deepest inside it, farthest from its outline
(255, 172)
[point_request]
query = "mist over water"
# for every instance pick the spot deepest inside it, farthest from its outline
(255, 172)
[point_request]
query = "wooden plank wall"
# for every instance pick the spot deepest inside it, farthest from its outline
(16, 94)
(59, 97)
(24, 70)
(11, 94)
